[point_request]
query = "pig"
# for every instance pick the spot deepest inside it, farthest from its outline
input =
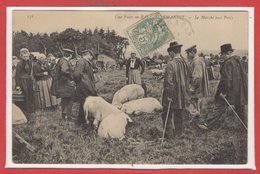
(144, 105)
(157, 72)
(127, 93)
(114, 125)
(98, 108)
(18, 116)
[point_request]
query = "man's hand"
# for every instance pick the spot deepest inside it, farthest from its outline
(169, 99)
(45, 73)
(223, 95)
(18, 88)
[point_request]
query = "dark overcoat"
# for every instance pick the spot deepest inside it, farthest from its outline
(176, 83)
(63, 85)
(84, 78)
(233, 82)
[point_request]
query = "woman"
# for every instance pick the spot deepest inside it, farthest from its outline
(23, 79)
(43, 80)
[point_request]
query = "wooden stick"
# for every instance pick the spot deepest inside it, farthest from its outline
(167, 115)
(23, 141)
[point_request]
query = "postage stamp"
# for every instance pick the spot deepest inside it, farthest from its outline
(149, 34)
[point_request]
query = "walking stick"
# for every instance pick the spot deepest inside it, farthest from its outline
(234, 111)
(167, 115)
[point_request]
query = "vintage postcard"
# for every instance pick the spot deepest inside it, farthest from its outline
(130, 87)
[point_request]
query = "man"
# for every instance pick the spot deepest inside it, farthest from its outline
(133, 73)
(245, 63)
(176, 81)
(232, 86)
(84, 78)
(199, 77)
(63, 86)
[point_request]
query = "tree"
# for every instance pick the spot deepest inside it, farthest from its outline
(71, 36)
(99, 41)
(20, 40)
(57, 45)
(43, 40)
(102, 33)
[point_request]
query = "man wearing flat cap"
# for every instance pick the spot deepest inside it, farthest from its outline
(63, 85)
(84, 78)
(175, 92)
(232, 86)
(199, 77)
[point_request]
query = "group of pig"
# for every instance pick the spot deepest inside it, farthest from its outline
(111, 119)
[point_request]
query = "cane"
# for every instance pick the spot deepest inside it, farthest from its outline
(234, 111)
(167, 115)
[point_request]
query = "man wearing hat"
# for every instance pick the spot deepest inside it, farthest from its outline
(84, 78)
(175, 92)
(232, 86)
(199, 77)
(63, 86)
(133, 64)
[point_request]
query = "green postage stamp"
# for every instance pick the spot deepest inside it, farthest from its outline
(149, 34)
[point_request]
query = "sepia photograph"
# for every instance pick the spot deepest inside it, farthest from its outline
(137, 88)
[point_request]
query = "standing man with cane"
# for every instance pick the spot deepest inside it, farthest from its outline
(175, 92)
(84, 78)
(232, 88)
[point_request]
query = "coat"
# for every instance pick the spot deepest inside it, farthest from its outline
(63, 86)
(84, 78)
(137, 65)
(24, 80)
(233, 82)
(176, 83)
(199, 75)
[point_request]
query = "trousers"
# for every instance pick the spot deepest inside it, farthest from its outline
(81, 115)
(66, 106)
(174, 125)
(220, 110)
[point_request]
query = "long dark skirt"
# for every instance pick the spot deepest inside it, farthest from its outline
(26, 85)
(43, 98)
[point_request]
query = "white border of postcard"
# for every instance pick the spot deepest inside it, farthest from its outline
(251, 125)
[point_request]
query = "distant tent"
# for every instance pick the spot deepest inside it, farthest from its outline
(105, 58)
(18, 115)
(108, 61)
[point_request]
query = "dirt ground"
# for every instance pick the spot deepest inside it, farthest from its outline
(63, 142)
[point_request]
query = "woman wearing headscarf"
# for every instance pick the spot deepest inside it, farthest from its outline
(43, 80)
(24, 80)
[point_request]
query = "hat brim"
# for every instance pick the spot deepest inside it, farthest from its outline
(171, 48)
(227, 51)
(68, 51)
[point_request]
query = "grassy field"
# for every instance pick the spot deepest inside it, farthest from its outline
(63, 142)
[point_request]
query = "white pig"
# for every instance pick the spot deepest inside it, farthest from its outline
(144, 105)
(98, 108)
(127, 93)
(113, 126)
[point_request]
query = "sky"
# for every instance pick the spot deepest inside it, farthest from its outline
(208, 30)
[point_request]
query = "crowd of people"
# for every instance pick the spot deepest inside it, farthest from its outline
(49, 82)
